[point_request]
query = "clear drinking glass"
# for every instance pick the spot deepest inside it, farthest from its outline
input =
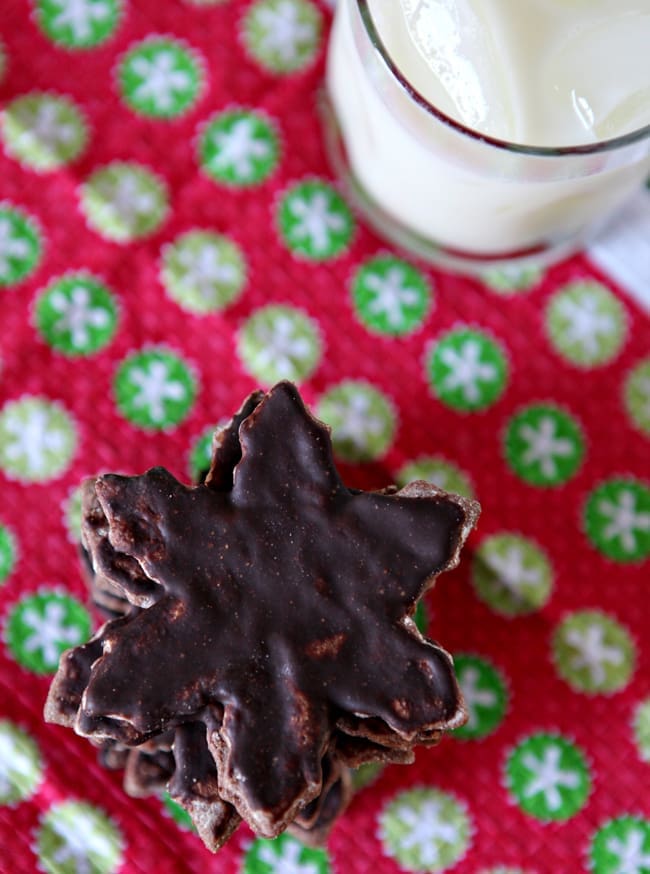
(446, 192)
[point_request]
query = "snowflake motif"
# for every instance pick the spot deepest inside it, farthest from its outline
(512, 575)
(424, 830)
(8, 553)
(467, 370)
(282, 35)
(622, 846)
(586, 324)
(548, 776)
(123, 202)
(37, 439)
(391, 296)
(593, 653)
(285, 855)
(20, 764)
(19, 246)
(160, 77)
(239, 147)
(363, 420)
(41, 626)
(203, 272)
(75, 838)
(155, 389)
(617, 518)
(314, 221)
(544, 445)
(78, 23)
(438, 471)
(279, 342)
(484, 693)
(42, 131)
(76, 315)
(637, 396)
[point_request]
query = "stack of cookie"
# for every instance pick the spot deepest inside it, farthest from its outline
(263, 640)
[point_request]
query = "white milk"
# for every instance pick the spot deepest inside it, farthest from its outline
(543, 73)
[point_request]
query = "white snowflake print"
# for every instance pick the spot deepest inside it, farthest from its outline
(154, 387)
(49, 127)
(624, 520)
(78, 315)
(239, 147)
(126, 200)
(467, 370)
(205, 268)
(391, 295)
(544, 446)
(14, 763)
(592, 652)
(474, 696)
(79, 839)
(546, 776)
(12, 245)
(315, 220)
(356, 422)
(161, 80)
(513, 570)
(49, 631)
(288, 860)
(631, 857)
(586, 325)
(34, 439)
(80, 15)
(428, 831)
(282, 346)
(284, 32)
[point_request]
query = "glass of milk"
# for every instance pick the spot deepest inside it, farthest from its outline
(479, 131)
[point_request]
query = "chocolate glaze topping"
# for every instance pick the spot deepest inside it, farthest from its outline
(278, 600)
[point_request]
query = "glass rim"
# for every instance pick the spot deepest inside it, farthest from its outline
(600, 147)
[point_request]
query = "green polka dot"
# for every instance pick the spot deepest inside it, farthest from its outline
(548, 777)
(425, 830)
(21, 767)
(76, 314)
(363, 420)
(421, 617)
(72, 514)
(511, 574)
(283, 36)
(314, 221)
(239, 147)
(42, 626)
(8, 553)
(511, 279)
(593, 652)
(20, 245)
(636, 395)
(284, 854)
(78, 24)
(124, 201)
(154, 388)
(467, 370)
(617, 519)
(621, 846)
(37, 439)
(279, 342)
(544, 445)
(484, 691)
(203, 272)
(43, 131)
(585, 324)
(365, 775)
(160, 77)
(76, 837)
(201, 454)
(439, 472)
(180, 816)
(390, 296)
(641, 729)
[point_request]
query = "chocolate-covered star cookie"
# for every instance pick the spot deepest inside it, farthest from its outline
(275, 609)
